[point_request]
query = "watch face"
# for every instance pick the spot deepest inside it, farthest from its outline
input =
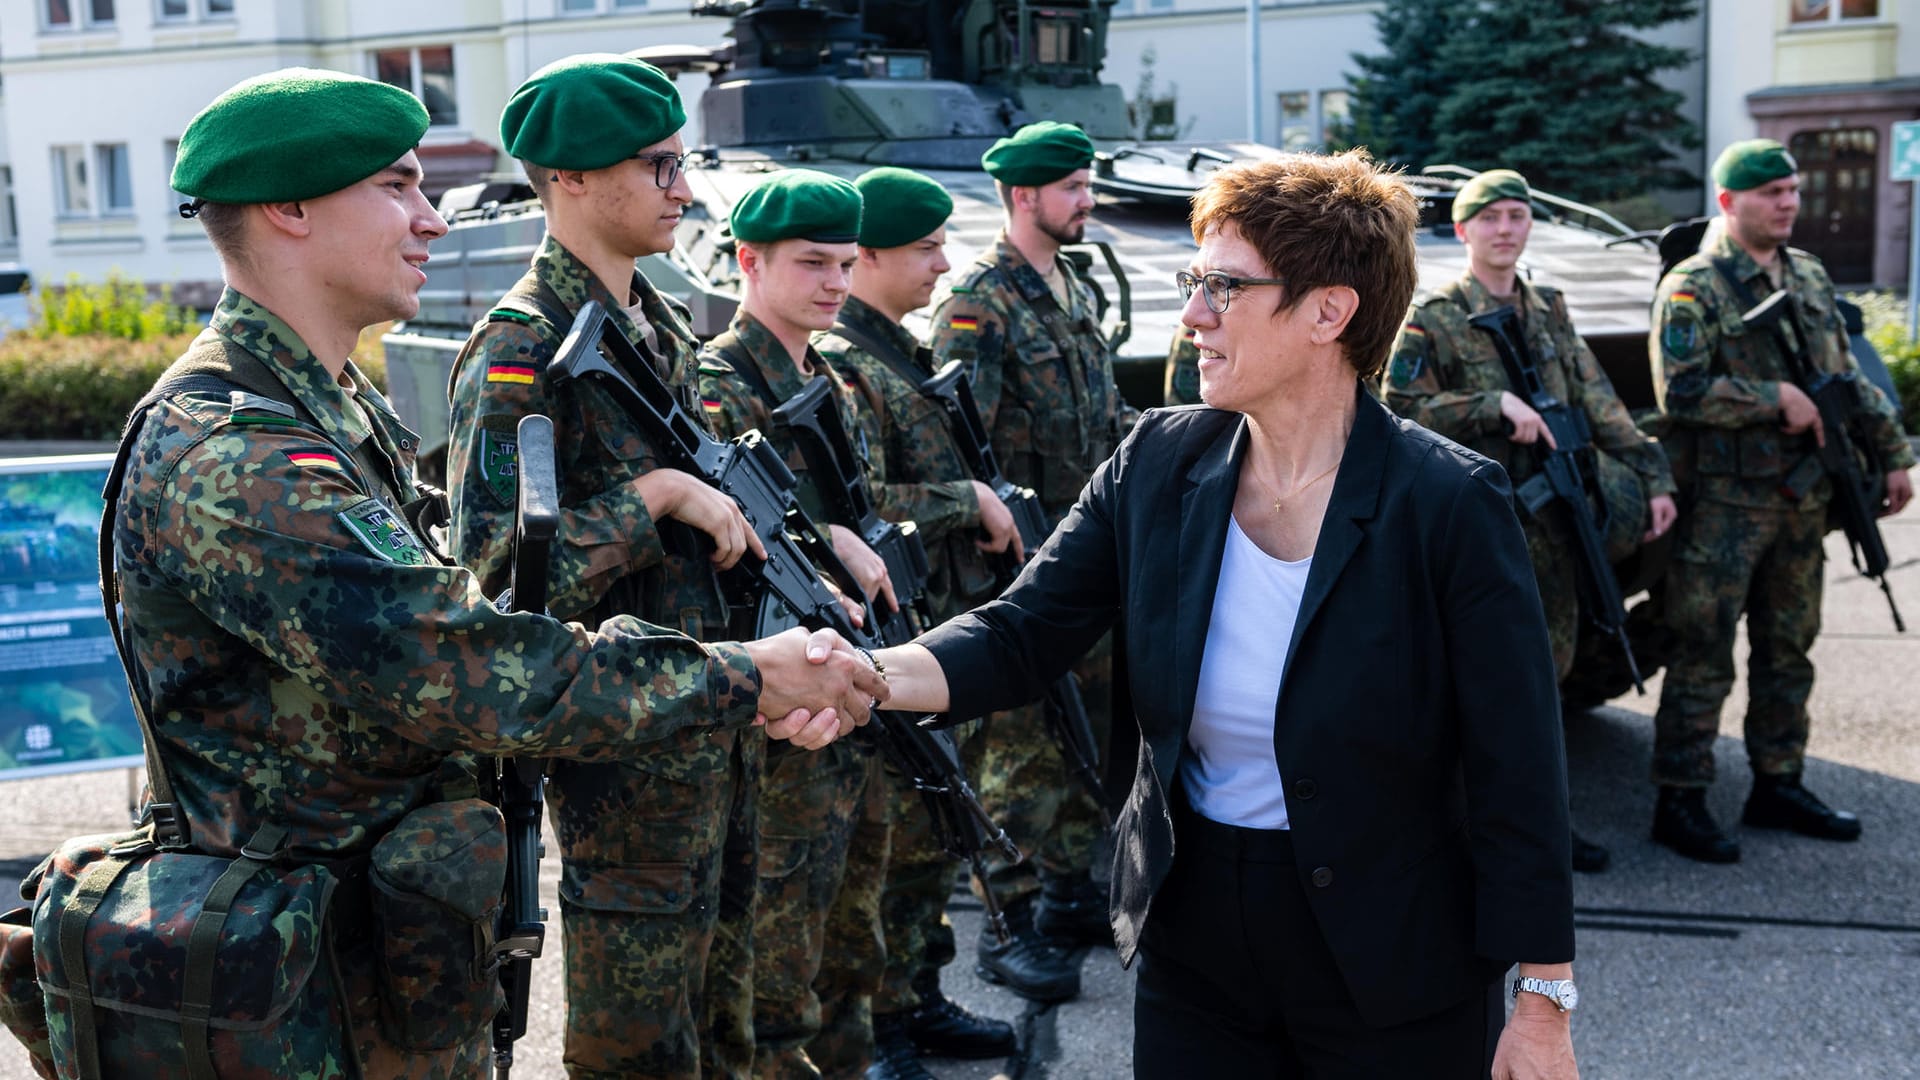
(1569, 996)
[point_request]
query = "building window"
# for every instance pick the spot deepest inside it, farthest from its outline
(1336, 116)
(116, 179)
(428, 73)
(72, 14)
(1827, 12)
(590, 7)
(9, 220)
(70, 182)
(174, 198)
(177, 11)
(108, 191)
(1296, 120)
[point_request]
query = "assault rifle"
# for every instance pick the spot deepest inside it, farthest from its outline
(1066, 711)
(514, 784)
(1566, 478)
(750, 471)
(810, 417)
(1850, 459)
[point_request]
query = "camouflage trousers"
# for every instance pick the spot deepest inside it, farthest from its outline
(1030, 790)
(913, 900)
(656, 902)
(1730, 560)
(854, 957)
(811, 804)
(1554, 568)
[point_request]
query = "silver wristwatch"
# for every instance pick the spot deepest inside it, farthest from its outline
(1561, 992)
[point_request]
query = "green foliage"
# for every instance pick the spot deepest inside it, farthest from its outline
(1563, 92)
(1886, 324)
(77, 387)
(115, 308)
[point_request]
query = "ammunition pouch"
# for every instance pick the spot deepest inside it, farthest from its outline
(128, 937)
(437, 883)
(1749, 453)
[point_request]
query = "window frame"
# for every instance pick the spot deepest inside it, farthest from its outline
(80, 17)
(417, 86)
(102, 179)
(62, 159)
(1836, 17)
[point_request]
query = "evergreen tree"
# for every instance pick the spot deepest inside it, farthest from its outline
(1559, 89)
(1396, 96)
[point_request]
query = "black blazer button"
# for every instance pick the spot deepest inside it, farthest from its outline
(1322, 877)
(1305, 789)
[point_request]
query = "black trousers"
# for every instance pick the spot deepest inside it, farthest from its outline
(1237, 981)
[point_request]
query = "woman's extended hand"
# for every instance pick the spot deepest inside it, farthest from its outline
(1537, 1043)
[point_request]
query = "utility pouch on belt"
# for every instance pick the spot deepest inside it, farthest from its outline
(130, 935)
(437, 883)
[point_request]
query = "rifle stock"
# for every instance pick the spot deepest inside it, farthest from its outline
(516, 782)
(1567, 480)
(1066, 711)
(1850, 460)
(750, 471)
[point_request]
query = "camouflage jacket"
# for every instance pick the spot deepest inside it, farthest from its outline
(734, 406)
(918, 473)
(1718, 381)
(609, 557)
(1041, 371)
(1183, 369)
(306, 658)
(1446, 376)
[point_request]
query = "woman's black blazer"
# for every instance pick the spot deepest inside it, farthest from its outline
(1417, 729)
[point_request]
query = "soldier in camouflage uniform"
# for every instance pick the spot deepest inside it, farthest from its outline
(918, 475)
(1742, 436)
(1025, 326)
(308, 660)
(823, 821)
(1447, 376)
(1183, 369)
(657, 850)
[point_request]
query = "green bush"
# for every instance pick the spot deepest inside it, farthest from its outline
(114, 308)
(1886, 324)
(77, 387)
(82, 387)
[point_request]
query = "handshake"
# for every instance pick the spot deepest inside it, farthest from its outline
(814, 686)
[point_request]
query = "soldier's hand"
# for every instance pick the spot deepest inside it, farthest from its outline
(816, 683)
(670, 493)
(997, 522)
(869, 569)
(1899, 492)
(1524, 425)
(1798, 413)
(1661, 513)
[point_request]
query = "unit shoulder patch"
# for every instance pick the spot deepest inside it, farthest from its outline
(382, 531)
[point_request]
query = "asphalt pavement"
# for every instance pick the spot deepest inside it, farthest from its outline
(1803, 960)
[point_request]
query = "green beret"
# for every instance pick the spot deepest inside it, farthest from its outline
(590, 111)
(900, 206)
(296, 133)
(1486, 189)
(1750, 163)
(1038, 154)
(799, 204)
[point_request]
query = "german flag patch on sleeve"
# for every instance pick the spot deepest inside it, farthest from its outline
(314, 458)
(509, 373)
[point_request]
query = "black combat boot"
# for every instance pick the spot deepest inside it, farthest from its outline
(1681, 821)
(1027, 963)
(1073, 911)
(1780, 802)
(1589, 857)
(894, 1055)
(941, 1027)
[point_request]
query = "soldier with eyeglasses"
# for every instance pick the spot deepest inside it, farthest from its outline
(657, 852)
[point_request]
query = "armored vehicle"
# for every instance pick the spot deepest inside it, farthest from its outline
(845, 85)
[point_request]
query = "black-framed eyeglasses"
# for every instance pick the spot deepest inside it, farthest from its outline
(1217, 287)
(666, 167)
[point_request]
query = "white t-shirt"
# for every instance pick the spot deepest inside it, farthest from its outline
(1232, 776)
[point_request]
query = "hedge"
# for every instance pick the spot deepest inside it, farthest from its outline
(82, 387)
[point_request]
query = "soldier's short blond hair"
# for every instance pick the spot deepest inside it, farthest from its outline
(1325, 219)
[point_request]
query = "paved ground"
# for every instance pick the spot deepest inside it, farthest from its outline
(1801, 961)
